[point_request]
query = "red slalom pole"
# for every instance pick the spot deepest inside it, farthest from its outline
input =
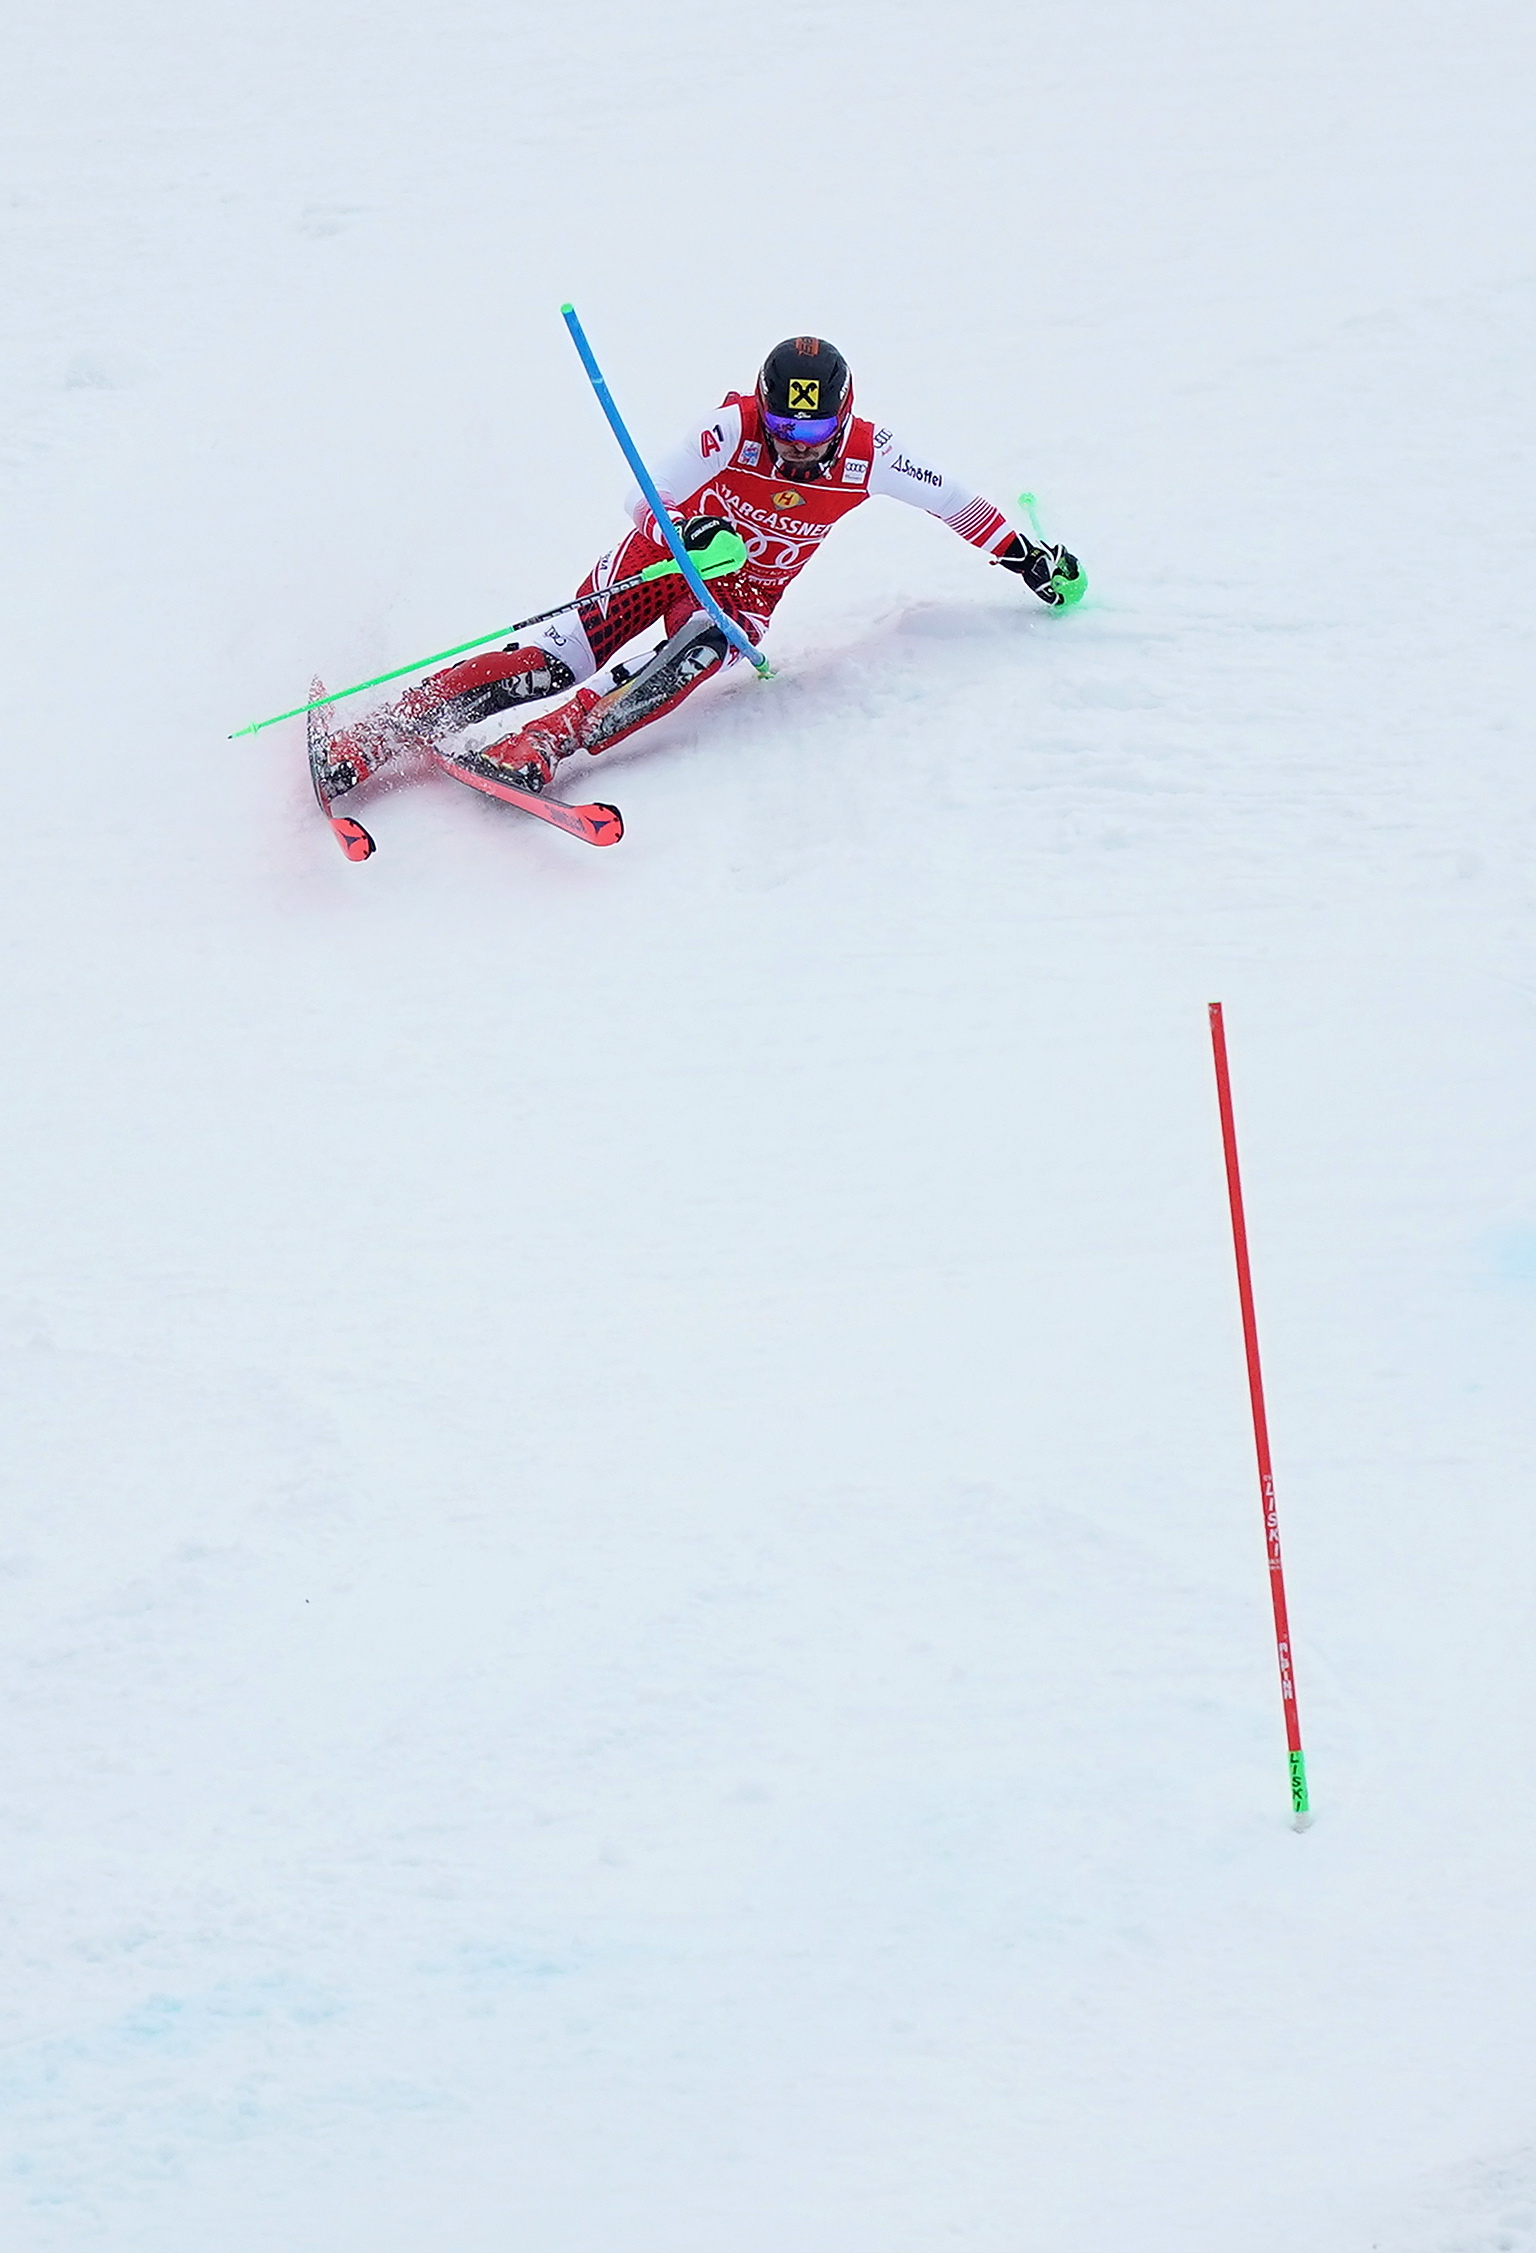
(1300, 1805)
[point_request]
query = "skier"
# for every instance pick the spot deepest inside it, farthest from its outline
(763, 481)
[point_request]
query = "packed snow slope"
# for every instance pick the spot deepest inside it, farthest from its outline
(633, 1597)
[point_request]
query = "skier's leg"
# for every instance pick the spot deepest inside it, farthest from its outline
(559, 654)
(590, 721)
(693, 651)
(477, 688)
(627, 698)
(463, 695)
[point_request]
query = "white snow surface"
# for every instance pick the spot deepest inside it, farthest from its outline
(634, 1614)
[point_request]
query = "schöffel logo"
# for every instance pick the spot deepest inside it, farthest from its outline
(796, 500)
(914, 469)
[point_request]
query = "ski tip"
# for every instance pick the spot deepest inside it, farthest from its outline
(353, 839)
(601, 824)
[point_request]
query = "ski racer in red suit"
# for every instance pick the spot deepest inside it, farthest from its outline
(779, 468)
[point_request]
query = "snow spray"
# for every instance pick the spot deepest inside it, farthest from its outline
(1301, 1811)
(654, 502)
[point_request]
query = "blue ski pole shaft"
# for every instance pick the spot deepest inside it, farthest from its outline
(667, 528)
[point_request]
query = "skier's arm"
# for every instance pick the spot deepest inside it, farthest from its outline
(904, 476)
(683, 473)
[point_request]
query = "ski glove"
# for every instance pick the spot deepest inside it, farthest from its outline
(715, 546)
(1053, 573)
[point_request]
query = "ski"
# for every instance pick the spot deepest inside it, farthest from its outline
(350, 835)
(598, 824)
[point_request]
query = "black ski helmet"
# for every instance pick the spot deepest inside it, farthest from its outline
(807, 378)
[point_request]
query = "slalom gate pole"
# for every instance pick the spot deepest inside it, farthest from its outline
(727, 563)
(657, 506)
(1301, 1810)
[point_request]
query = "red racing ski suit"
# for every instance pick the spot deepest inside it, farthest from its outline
(725, 470)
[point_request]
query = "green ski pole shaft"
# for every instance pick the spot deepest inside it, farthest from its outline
(726, 553)
(1027, 502)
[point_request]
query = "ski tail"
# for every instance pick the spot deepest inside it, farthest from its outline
(350, 835)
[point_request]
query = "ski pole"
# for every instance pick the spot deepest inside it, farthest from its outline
(1301, 1812)
(667, 528)
(726, 553)
(1027, 502)
(1070, 590)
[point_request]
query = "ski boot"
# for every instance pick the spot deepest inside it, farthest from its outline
(529, 757)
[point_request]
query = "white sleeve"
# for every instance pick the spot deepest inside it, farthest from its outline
(904, 476)
(682, 473)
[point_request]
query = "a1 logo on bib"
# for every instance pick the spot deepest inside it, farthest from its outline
(788, 500)
(804, 394)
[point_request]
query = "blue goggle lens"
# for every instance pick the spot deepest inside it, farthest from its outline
(803, 430)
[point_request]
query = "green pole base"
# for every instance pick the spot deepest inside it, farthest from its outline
(1301, 1805)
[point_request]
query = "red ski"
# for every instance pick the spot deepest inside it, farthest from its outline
(599, 824)
(350, 835)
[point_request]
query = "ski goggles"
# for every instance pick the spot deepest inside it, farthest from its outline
(803, 430)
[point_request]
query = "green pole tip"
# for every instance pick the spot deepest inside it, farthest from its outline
(1027, 503)
(567, 308)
